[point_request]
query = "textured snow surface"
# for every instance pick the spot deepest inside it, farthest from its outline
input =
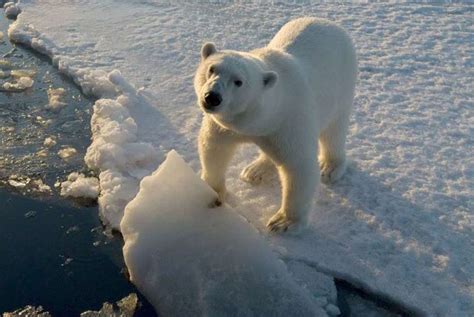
(115, 152)
(400, 223)
(190, 259)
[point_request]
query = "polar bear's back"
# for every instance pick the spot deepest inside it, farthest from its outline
(310, 38)
(325, 54)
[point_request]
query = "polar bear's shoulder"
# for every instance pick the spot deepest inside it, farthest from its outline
(303, 32)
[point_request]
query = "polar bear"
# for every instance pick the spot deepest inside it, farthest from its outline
(285, 97)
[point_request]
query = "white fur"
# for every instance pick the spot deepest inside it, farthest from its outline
(296, 91)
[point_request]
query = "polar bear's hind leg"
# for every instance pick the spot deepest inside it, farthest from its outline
(332, 156)
(256, 171)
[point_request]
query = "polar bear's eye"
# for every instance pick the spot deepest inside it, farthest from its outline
(238, 82)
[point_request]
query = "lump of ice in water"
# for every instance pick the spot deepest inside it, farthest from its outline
(11, 10)
(67, 153)
(29, 311)
(21, 84)
(79, 186)
(18, 73)
(56, 99)
(40, 186)
(192, 260)
(125, 307)
(16, 183)
(49, 141)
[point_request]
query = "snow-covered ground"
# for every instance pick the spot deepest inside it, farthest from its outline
(399, 224)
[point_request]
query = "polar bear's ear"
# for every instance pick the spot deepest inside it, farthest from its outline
(269, 79)
(207, 50)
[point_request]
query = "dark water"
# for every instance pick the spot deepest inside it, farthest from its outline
(53, 252)
(55, 255)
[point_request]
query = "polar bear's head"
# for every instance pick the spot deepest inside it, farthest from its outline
(229, 84)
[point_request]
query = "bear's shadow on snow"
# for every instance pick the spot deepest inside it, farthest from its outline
(370, 224)
(381, 222)
(364, 197)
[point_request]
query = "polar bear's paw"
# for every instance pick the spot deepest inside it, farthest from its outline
(256, 171)
(332, 171)
(221, 197)
(280, 222)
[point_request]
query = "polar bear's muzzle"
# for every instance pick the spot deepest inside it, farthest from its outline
(212, 100)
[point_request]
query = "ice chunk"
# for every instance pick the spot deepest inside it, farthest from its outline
(29, 311)
(39, 185)
(24, 182)
(11, 10)
(18, 73)
(16, 184)
(78, 185)
(49, 141)
(30, 214)
(67, 153)
(55, 97)
(192, 260)
(123, 308)
(21, 84)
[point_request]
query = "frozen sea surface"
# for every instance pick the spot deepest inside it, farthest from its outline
(400, 223)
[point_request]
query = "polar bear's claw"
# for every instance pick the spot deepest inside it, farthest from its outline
(332, 171)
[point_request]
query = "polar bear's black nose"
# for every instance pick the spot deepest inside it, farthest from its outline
(212, 99)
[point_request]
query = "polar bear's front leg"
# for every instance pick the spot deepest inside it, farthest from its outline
(216, 148)
(299, 181)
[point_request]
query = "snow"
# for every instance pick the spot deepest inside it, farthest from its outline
(114, 152)
(399, 224)
(78, 185)
(190, 259)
